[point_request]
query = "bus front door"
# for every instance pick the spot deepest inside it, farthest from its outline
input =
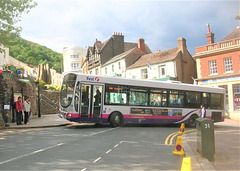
(91, 102)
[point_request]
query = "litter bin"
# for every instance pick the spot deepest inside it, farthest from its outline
(205, 138)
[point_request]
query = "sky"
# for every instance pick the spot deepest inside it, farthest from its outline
(63, 23)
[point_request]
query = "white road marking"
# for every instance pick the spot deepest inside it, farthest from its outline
(100, 132)
(99, 158)
(108, 151)
(29, 154)
(116, 145)
(84, 169)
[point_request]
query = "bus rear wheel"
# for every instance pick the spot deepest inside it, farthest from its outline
(192, 121)
(116, 119)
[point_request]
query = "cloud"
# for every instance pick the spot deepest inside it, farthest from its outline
(60, 23)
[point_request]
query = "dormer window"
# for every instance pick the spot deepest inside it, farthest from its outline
(96, 58)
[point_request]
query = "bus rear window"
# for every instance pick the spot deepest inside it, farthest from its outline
(66, 93)
(216, 101)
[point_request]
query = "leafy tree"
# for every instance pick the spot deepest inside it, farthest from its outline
(10, 14)
(34, 54)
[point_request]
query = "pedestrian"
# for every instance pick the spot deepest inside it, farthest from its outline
(203, 111)
(19, 112)
(26, 109)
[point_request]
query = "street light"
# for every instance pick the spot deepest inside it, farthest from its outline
(39, 112)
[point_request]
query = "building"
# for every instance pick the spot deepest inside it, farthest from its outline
(118, 64)
(100, 53)
(28, 70)
(218, 65)
(56, 78)
(84, 65)
(4, 57)
(72, 58)
(172, 64)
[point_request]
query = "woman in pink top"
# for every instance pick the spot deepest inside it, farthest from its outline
(19, 107)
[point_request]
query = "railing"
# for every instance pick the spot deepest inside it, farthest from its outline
(226, 44)
(220, 45)
(212, 47)
(49, 102)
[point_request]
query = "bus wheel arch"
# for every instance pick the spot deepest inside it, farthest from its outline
(116, 119)
(192, 120)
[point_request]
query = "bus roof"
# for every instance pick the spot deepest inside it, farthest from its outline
(146, 83)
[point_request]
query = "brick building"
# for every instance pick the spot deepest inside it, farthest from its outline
(218, 65)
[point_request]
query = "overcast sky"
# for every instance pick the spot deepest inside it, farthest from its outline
(63, 23)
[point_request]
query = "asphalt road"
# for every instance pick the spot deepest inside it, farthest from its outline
(89, 147)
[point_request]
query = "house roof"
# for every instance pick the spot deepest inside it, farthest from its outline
(233, 35)
(134, 50)
(127, 46)
(122, 55)
(156, 57)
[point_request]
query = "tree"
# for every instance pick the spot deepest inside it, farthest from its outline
(10, 14)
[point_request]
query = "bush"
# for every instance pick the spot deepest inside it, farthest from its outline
(50, 87)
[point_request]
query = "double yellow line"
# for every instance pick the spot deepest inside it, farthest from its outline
(173, 135)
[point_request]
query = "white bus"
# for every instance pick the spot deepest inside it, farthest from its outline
(99, 99)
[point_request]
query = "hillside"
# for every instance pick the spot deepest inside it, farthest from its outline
(34, 54)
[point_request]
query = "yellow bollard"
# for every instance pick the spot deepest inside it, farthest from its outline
(181, 130)
(186, 164)
(178, 148)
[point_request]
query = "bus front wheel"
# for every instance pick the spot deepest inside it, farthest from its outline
(116, 119)
(192, 121)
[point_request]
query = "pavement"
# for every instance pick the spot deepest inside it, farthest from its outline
(51, 120)
(225, 156)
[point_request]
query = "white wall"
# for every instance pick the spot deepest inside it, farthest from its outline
(117, 71)
(67, 60)
(153, 73)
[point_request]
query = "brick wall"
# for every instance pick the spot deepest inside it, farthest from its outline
(220, 63)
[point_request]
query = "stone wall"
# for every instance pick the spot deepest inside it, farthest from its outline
(13, 84)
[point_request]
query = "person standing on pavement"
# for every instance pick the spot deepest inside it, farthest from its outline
(203, 112)
(19, 107)
(26, 109)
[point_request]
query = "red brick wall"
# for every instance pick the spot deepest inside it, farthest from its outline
(220, 63)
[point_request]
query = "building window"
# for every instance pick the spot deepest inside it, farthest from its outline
(97, 71)
(162, 71)
(74, 56)
(144, 73)
(212, 67)
(228, 65)
(75, 66)
(105, 70)
(236, 97)
(112, 68)
(96, 57)
(119, 66)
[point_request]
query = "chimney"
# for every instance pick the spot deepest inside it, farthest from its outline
(182, 44)
(210, 36)
(141, 44)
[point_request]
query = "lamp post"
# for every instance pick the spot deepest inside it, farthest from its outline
(39, 110)
(12, 103)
